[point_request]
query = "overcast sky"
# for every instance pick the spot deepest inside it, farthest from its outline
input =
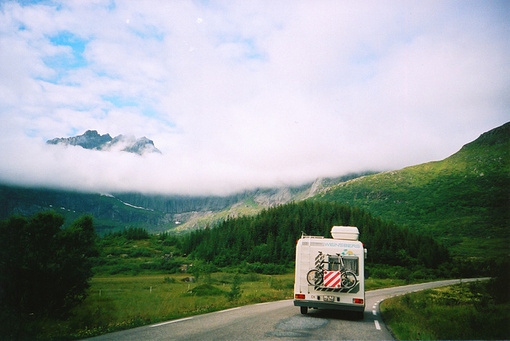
(245, 94)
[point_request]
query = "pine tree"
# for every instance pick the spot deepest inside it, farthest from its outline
(235, 290)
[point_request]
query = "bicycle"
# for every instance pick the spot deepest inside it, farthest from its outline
(348, 278)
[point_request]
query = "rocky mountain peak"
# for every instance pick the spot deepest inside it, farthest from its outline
(91, 139)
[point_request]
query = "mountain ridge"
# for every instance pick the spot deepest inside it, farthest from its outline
(155, 213)
(91, 139)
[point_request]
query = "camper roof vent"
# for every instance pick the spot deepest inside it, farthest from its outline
(345, 232)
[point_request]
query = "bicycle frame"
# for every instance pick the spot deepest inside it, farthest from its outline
(342, 278)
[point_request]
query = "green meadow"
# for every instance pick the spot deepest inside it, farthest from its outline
(470, 311)
(120, 302)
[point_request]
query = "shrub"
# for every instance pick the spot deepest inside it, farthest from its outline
(125, 268)
(169, 280)
(169, 265)
(205, 290)
(140, 252)
(235, 291)
(266, 269)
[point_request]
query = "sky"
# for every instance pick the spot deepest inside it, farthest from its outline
(239, 95)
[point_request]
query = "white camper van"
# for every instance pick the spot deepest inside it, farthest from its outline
(330, 272)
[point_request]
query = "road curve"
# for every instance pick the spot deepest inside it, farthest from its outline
(277, 321)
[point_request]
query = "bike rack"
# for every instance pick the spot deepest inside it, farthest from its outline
(354, 289)
(320, 260)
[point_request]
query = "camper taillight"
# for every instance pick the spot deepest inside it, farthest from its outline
(357, 301)
(300, 296)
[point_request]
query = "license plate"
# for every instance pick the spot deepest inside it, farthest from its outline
(329, 298)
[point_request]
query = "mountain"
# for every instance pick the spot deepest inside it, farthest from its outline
(155, 213)
(91, 139)
(463, 200)
(109, 212)
(191, 213)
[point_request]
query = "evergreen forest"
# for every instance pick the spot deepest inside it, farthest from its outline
(271, 236)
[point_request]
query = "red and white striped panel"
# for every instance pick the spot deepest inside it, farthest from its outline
(332, 279)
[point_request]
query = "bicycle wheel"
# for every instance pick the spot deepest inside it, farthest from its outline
(348, 279)
(314, 277)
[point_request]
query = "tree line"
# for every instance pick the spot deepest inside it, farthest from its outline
(44, 268)
(271, 236)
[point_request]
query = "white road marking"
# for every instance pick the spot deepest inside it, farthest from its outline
(377, 326)
(264, 303)
(174, 321)
(224, 311)
(374, 312)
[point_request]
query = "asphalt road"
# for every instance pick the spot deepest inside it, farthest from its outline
(277, 321)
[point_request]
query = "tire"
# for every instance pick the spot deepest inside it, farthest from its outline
(314, 277)
(304, 310)
(348, 280)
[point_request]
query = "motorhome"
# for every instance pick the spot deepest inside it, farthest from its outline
(330, 272)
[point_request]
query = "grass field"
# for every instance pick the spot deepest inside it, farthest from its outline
(121, 302)
(460, 312)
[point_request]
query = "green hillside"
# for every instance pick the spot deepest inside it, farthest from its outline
(463, 200)
(109, 212)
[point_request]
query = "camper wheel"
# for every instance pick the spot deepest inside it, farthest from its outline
(304, 310)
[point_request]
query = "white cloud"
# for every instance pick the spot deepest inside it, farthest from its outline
(244, 94)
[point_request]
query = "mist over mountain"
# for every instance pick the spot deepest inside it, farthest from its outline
(113, 211)
(91, 139)
(462, 200)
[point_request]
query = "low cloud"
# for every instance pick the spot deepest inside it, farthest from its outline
(238, 97)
